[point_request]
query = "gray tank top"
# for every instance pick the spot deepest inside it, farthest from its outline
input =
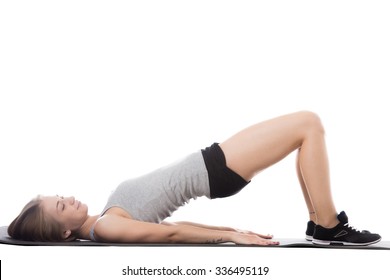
(154, 196)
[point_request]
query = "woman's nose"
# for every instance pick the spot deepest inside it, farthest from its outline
(71, 199)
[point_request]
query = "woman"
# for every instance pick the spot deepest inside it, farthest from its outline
(136, 210)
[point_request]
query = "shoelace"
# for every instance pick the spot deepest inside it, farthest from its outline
(352, 228)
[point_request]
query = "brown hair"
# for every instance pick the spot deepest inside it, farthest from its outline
(33, 225)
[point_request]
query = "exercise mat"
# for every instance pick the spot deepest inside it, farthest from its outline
(284, 243)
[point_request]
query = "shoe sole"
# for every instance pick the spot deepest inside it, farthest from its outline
(309, 238)
(327, 242)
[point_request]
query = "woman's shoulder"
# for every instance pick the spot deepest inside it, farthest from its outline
(111, 223)
(109, 227)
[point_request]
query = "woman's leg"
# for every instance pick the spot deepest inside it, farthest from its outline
(309, 204)
(261, 145)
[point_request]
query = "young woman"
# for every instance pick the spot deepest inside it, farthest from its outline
(136, 210)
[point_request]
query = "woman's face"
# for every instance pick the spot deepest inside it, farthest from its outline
(67, 211)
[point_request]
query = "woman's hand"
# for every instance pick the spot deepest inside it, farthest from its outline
(251, 238)
(268, 236)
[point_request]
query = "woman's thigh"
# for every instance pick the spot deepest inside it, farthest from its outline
(263, 144)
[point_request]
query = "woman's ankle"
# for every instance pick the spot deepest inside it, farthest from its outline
(328, 223)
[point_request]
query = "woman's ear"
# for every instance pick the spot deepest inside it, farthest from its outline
(66, 234)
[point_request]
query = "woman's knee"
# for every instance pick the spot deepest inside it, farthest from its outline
(311, 122)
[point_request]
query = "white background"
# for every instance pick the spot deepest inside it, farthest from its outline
(93, 93)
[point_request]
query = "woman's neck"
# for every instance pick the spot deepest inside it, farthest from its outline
(84, 230)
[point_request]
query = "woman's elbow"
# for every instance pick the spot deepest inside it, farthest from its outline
(174, 234)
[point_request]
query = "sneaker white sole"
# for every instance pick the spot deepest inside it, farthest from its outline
(327, 243)
(309, 238)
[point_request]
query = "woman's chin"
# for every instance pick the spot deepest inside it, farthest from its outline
(83, 207)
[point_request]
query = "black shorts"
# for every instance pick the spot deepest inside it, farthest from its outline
(223, 181)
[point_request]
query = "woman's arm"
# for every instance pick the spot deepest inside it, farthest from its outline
(268, 236)
(198, 225)
(112, 228)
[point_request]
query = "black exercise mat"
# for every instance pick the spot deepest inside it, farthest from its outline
(284, 243)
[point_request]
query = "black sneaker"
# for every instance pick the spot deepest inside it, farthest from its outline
(343, 234)
(310, 230)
